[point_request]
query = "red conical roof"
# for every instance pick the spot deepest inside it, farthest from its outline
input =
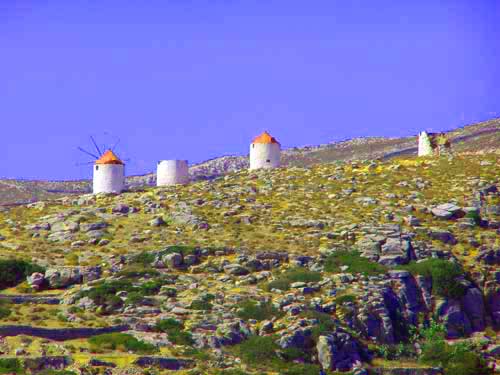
(265, 137)
(108, 158)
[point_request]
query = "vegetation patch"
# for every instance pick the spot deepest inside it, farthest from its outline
(250, 309)
(285, 280)
(13, 272)
(4, 310)
(203, 302)
(175, 331)
(104, 294)
(457, 359)
(122, 342)
(345, 299)
(324, 322)
(445, 276)
(10, 366)
(355, 263)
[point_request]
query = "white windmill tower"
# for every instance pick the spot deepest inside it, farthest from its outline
(172, 172)
(108, 170)
(265, 152)
(424, 144)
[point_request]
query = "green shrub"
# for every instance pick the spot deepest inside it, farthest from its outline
(56, 372)
(325, 322)
(250, 309)
(280, 284)
(293, 275)
(13, 272)
(299, 369)
(475, 217)
(165, 325)
(175, 331)
(444, 275)
(121, 342)
(345, 298)
(303, 275)
(203, 302)
(232, 372)
(134, 298)
(10, 366)
(199, 304)
(4, 310)
(458, 359)
(104, 294)
(181, 249)
(144, 258)
(355, 262)
(257, 350)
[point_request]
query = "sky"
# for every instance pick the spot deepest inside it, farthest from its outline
(197, 79)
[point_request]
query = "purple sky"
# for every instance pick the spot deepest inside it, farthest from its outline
(197, 79)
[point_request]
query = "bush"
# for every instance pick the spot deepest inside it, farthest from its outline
(325, 322)
(355, 262)
(13, 272)
(293, 275)
(121, 342)
(250, 309)
(10, 366)
(200, 304)
(4, 310)
(257, 350)
(175, 332)
(444, 275)
(299, 369)
(475, 217)
(345, 298)
(458, 359)
(104, 294)
(280, 284)
(203, 302)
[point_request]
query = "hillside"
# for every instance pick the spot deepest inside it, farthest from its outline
(385, 266)
(481, 137)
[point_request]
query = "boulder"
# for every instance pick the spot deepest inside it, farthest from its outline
(338, 351)
(120, 208)
(173, 260)
(454, 318)
(473, 306)
(36, 280)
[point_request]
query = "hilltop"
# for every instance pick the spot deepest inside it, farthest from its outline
(388, 266)
(477, 138)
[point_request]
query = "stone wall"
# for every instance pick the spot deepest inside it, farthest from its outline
(59, 334)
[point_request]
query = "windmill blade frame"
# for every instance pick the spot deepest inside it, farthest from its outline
(88, 153)
(95, 145)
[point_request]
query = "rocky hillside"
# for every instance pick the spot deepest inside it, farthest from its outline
(482, 137)
(388, 266)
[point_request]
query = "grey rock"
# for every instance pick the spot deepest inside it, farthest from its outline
(338, 351)
(473, 305)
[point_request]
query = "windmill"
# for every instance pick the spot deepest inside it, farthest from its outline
(108, 169)
(98, 153)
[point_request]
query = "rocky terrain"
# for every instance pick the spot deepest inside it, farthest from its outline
(483, 137)
(387, 266)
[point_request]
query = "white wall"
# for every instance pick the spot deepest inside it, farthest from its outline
(172, 172)
(109, 178)
(265, 155)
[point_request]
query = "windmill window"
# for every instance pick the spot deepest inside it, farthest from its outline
(96, 167)
(268, 161)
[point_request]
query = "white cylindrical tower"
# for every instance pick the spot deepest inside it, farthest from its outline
(172, 172)
(109, 174)
(265, 152)
(424, 145)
